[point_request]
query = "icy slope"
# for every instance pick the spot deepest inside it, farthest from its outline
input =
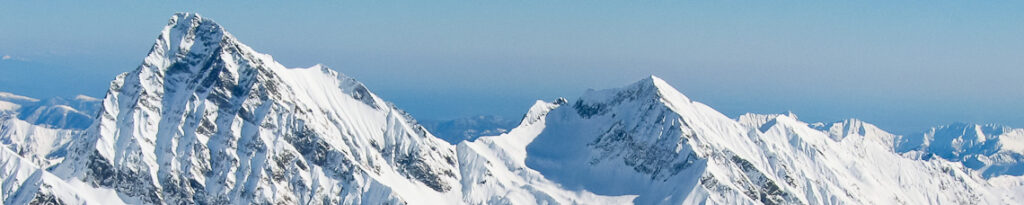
(206, 119)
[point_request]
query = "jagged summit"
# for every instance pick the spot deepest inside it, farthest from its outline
(185, 29)
(190, 39)
(207, 119)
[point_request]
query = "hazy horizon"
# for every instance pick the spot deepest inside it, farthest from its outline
(902, 66)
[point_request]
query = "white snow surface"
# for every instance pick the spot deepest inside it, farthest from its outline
(43, 146)
(206, 119)
(25, 183)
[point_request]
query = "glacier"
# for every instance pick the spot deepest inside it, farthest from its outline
(205, 119)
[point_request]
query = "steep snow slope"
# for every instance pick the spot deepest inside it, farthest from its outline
(991, 149)
(206, 119)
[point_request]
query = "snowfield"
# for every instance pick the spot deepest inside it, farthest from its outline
(206, 119)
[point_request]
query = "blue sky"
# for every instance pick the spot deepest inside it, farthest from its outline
(904, 66)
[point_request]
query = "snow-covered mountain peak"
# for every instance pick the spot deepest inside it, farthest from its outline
(184, 29)
(648, 92)
(650, 88)
(190, 41)
(207, 119)
(647, 138)
(620, 141)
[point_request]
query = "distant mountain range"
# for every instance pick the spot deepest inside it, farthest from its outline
(57, 112)
(206, 119)
(469, 128)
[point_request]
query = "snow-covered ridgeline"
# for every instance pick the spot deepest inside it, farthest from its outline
(206, 119)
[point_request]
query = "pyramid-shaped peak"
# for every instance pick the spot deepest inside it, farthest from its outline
(648, 88)
(647, 92)
(655, 81)
(652, 82)
(663, 88)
